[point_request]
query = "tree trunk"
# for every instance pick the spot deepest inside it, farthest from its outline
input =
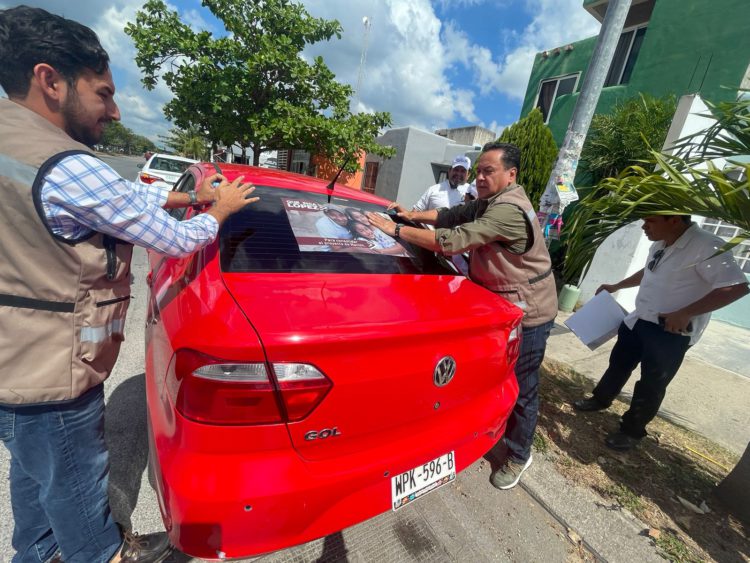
(734, 490)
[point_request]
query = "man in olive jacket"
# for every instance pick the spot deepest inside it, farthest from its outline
(508, 256)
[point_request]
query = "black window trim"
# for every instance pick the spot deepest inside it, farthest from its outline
(634, 29)
(558, 78)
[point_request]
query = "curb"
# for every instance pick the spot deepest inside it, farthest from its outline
(608, 531)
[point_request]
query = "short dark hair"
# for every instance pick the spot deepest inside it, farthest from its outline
(349, 210)
(511, 154)
(30, 36)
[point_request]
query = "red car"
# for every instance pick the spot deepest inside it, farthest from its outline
(301, 379)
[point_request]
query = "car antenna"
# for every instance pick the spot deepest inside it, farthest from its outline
(332, 185)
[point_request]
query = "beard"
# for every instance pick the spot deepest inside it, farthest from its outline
(74, 114)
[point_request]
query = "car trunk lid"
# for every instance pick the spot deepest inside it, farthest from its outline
(379, 338)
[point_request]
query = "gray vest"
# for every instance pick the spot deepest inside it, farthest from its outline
(62, 302)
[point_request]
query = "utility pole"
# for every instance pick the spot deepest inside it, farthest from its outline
(367, 22)
(560, 190)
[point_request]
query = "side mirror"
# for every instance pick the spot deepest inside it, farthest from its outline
(140, 164)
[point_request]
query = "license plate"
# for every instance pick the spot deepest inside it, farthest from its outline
(410, 485)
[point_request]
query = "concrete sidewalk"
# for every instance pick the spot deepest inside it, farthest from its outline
(710, 394)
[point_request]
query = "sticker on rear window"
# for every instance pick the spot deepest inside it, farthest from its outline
(322, 227)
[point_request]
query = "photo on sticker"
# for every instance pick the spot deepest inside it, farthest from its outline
(336, 228)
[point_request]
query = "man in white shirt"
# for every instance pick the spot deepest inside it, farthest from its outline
(450, 192)
(683, 282)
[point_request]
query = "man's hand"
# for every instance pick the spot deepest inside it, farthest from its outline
(388, 227)
(230, 198)
(206, 191)
(676, 322)
(402, 212)
(607, 287)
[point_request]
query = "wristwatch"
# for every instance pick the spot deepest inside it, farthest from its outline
(397, 234)
(193, 197)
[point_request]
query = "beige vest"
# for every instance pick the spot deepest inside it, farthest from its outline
(62, 303)
(523, 279)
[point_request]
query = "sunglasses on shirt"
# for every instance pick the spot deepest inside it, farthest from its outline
(655, 260)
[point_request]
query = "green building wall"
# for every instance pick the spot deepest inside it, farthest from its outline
(690, 46)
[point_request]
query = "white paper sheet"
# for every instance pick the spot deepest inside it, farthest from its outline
(597, 321)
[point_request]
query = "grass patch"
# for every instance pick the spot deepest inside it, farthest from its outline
(626, 497)
(646, 480)
(674, 549)
(540, 443)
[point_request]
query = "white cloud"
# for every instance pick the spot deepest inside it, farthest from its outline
(453, 4)
(496, 127)
(425, 72)
(195, 20)
(555, 23)
(430, 73)
(407, 66)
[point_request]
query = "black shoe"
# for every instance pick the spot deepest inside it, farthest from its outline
(589, 405)
(621, 442)
(150, 548)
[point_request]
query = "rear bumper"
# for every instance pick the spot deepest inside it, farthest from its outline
(246, 502)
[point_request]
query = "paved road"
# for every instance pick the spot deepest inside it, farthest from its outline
(468, 521)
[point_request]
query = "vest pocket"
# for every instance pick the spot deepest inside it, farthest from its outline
(103, 328)
(514, 296)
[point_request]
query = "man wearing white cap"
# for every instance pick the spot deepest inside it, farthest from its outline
(450, 192)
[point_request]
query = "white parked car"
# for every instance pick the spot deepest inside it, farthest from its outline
(163, 169)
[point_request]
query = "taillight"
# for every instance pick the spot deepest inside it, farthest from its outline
(150, 178)
(215, 391)
(302, 388)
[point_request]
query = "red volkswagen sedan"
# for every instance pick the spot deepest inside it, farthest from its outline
(306, 371)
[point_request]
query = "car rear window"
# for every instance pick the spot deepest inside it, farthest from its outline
(270, 236)
(169, 165)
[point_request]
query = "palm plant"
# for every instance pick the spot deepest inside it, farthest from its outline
(685, 182)
(188, 142)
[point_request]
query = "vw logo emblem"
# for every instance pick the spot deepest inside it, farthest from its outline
(444, 371)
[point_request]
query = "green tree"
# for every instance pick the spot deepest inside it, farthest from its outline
(625, 136)
(252, 87)
(686, 183)
(118, 137)
(538, 152)
(189, 142)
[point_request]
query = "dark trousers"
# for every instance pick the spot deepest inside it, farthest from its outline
(660, 354)
(519, 433)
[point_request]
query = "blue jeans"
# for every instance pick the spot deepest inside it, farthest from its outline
(519, 433)
(58, 480)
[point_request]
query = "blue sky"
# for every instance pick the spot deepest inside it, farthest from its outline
(431, 64)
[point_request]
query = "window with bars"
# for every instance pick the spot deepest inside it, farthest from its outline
(371, 177)
(728, 231)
